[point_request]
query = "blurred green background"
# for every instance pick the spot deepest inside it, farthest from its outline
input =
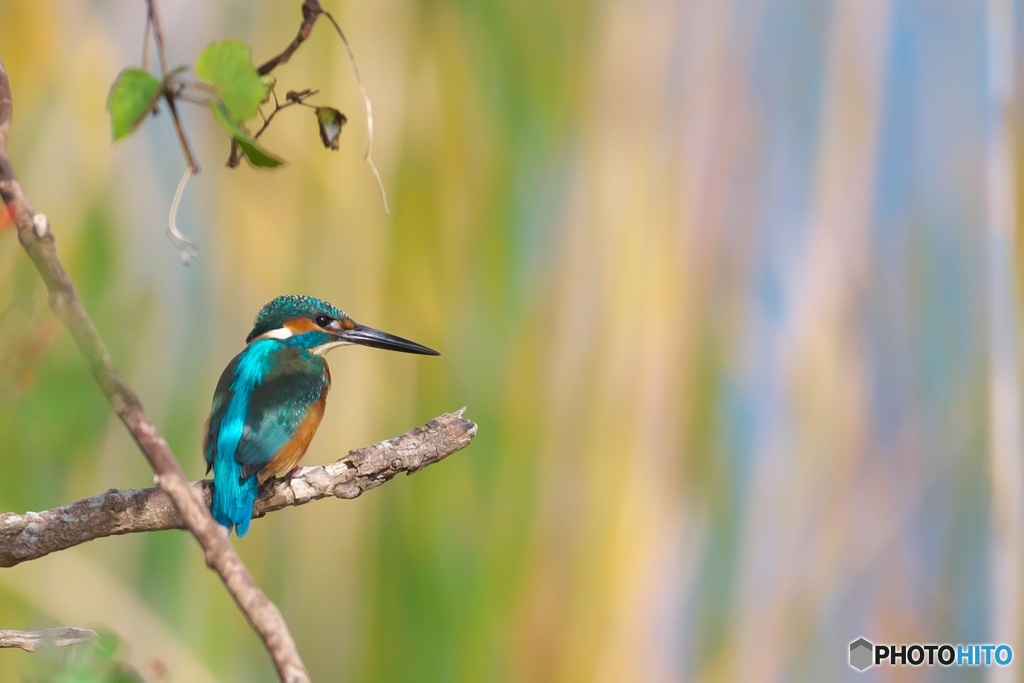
(710, 275)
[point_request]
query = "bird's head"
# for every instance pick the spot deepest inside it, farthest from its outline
(317, 326)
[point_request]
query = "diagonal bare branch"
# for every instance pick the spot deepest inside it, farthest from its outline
(32, 535)
(38, 241)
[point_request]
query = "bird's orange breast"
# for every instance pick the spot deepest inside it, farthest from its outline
(288, 456)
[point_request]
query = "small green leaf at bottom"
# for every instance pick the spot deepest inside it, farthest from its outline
(331, 120)
(252, 150)
(132, 96)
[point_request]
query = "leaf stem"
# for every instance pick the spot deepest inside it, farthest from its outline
(301, 99)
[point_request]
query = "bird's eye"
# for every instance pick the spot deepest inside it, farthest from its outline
(322, 320)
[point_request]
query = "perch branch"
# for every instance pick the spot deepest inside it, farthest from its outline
(33, 535)
(38, 241)
(30, 641)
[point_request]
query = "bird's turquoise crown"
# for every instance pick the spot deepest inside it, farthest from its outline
(274, 314)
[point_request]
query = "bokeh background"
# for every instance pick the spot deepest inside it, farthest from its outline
(729, 285)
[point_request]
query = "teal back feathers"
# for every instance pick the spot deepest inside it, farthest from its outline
(233, 496)
(263, 396)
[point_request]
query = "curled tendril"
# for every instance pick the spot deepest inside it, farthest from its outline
(368, 157)
(187, 248)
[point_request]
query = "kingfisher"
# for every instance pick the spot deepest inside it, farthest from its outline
(271, 397)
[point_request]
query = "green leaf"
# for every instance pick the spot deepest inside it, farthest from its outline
(256, 155)
(132, 96)
(331, 120)
(227, 65)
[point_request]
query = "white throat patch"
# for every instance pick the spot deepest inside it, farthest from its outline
(324, 348)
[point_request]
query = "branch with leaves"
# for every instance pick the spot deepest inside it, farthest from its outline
(32, 535)
(229, 84)
(235, 91)
(36, 237)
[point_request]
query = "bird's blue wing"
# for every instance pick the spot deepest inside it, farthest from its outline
(233, 496)
(221, 398)
(262, 397)
(278, 406)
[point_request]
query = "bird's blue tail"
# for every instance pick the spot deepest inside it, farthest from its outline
(233, 496)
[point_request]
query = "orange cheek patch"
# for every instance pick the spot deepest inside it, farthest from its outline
(300, 325)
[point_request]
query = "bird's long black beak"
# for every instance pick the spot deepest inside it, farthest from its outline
(367, 336)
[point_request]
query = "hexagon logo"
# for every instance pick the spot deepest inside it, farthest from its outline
(861, 654)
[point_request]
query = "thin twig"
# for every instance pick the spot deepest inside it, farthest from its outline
(301, 99)
(153, 19)
(368, 156)
(30, 641)
(311, 10)
(31, 535)
(193, 165)
(147, 41)
(158, 34)
(38, 241)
